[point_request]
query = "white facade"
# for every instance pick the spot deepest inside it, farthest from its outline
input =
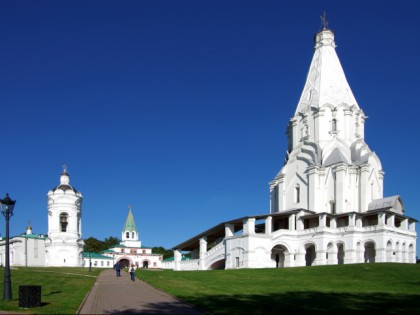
(129, 252)
(64, 245)
(25, 250)
(326, 203)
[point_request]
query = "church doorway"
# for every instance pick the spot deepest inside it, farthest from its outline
(278, 255)
(145, 264)
(124, 263)
(340, 254)
(310, 255)
(370, 252)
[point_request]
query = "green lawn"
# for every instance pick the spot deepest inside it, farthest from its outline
(62, 289)
(344, 289)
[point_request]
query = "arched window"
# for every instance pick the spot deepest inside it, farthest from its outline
(63, 222)
(127, 234)
(334, 125)
(132, 235)
(297, 193)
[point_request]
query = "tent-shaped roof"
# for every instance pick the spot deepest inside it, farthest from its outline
(326, 83)
(129, 223)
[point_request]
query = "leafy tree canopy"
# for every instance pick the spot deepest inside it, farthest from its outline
(94, 245)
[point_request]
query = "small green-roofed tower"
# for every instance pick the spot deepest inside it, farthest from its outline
(130, 235)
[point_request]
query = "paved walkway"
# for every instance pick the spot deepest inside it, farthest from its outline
(120, 295)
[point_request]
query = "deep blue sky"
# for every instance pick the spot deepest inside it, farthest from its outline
(180, 107)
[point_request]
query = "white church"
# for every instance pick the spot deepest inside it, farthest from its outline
(326, 203)
(63, 245)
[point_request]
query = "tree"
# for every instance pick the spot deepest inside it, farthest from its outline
(111, 241)
(94, 245)
(166, 253)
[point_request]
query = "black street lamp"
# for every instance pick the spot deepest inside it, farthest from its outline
(90, 260)
(7, 206)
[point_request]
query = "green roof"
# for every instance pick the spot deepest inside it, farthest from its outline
(95, 256)
(172, 258)
(41, 236)
(129, 223)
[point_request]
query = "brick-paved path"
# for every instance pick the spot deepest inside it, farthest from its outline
(120, 295)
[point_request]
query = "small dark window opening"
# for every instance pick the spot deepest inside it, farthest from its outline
(63, 222)
(334, 125)
(297, 193)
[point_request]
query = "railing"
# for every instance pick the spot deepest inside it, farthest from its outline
(192, 264)
(215, 249)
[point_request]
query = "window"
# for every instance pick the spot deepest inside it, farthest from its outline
(132, 235)
(332, 206)
(334, 125)
(127, 234)
(63, 222)
(297, 193)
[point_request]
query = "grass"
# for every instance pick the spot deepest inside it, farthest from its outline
(62, 289)
(345, 289)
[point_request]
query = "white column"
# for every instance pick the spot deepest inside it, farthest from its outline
(203, 251)
(299, 223)
(404, 224)
(292, 222)
(268, 225)
(177, 260)
(249, 226)
(322, 220)
(412, 226)
(313, 179)
(381, 218)
(391, 220)
(280, 193)
(340, 188)
(352, 219)
(333, 223)
(364, 173)
(359, 222)
(229, 230)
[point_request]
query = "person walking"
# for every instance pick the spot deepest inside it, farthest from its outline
(132, 273)
(117, 268)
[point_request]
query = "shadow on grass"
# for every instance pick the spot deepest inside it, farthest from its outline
(310, 302)
(288, 303)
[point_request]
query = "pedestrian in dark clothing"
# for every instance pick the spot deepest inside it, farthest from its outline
(132, 273)
(117, 268)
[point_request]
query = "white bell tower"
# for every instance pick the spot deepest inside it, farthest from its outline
(64, 245)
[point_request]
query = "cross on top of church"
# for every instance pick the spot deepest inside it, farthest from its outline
(324, 21)
(64, 168)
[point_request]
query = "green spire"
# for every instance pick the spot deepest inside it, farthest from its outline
(129, 223)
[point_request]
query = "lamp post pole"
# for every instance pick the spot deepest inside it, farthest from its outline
(90, 259)
(7, 206)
